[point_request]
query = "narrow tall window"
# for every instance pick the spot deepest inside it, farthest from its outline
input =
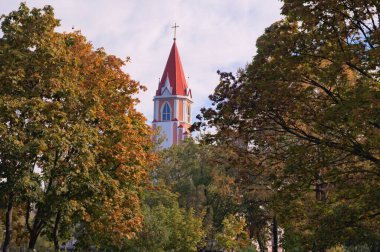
(166, 113)
(188, 114)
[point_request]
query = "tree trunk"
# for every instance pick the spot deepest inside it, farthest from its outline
(34, 233)
(32, 241)
(8, 225)
(274, 234)
(55, 231)
(261, 243)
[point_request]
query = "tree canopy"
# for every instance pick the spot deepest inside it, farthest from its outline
(73, 147)
(306, 112)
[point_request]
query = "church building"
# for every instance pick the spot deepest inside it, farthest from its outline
(172, 102)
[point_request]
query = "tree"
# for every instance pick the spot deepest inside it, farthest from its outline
(198, 174)
(73, 147)
(233, 237)
(211, 180)
(166, 226)
(307, 108)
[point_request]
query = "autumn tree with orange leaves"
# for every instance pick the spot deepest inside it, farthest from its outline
(74, 152)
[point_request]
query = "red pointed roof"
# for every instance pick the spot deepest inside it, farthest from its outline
(174, 72)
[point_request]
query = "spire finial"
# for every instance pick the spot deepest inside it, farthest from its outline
(175, 30)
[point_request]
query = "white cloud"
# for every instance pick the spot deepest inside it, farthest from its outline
(213, 35)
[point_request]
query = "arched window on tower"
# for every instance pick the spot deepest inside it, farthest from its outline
(166, 112)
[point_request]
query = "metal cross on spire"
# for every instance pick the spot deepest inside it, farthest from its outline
(175, 30)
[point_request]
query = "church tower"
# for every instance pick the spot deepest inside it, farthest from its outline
(172, 102)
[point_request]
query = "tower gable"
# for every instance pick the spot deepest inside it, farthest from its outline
(166, 90)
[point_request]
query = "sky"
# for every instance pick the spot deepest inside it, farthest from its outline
(212, 35)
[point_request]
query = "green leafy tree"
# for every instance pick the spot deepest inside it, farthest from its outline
(197, 173)
(233, 236)
(166, 226)
(73, 147)
(307, 108)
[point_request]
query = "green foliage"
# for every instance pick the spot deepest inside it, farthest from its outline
(305, 114)
(233, 236)
(292, 242)
(166, 226)
(72, 147)
(197, 174)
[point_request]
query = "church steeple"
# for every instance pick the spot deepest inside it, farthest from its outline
(173, 75)
(172, 103)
